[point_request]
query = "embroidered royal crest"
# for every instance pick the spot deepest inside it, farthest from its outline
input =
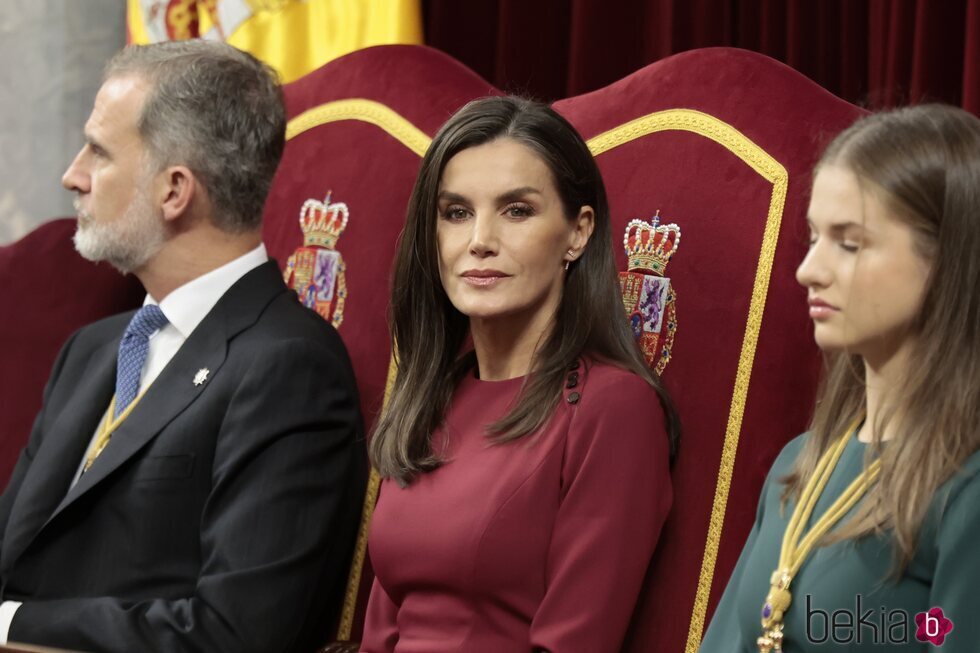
(648, 296)
(316, 270)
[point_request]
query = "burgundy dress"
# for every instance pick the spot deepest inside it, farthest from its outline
(537, 544)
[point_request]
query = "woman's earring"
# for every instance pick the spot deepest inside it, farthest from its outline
(568, 261)
(566, 265)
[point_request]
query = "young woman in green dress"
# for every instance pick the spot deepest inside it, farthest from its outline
(867, 528)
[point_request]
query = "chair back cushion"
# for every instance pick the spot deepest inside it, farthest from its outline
(721, 143)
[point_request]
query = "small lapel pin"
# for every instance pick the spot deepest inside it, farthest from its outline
(201, 376)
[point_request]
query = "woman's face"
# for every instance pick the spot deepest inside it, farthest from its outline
(864, 276)
(503, 235)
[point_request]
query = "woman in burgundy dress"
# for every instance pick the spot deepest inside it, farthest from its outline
(526, 444)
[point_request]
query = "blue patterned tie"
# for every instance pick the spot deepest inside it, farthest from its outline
(133, 347)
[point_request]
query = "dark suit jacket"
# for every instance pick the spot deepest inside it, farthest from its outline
(221, 516)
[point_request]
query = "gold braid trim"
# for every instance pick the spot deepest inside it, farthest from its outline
(417, 141)
(367, 111)
(773, 172)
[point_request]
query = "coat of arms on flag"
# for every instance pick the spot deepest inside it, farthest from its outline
(293, 36)
(316, 270)
(166, 20)
(648, 296)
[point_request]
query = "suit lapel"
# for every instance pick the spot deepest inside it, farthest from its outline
(172, 392)
(175, 389)
(57, 460)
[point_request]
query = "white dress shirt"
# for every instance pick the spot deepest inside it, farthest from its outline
(184, 309)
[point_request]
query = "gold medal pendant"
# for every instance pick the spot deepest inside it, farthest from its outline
(777, 602)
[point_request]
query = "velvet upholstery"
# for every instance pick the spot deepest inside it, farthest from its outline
(720, 141)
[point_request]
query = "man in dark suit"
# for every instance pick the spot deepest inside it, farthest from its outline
(194, 479)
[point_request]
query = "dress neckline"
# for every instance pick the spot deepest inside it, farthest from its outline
(472, 379)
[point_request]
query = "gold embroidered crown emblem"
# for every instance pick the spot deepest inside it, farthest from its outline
(650, 245)
(322, 222)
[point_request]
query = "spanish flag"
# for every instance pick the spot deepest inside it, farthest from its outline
(293, 36)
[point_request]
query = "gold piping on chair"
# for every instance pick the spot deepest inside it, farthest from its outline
(773, 172)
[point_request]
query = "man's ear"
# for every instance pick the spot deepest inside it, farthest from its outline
(178, 189)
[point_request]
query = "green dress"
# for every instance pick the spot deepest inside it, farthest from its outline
(844, 596)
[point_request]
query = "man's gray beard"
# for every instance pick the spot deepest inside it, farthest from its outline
(128, 243)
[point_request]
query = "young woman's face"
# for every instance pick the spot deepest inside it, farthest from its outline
(503, 235)
(864, 277)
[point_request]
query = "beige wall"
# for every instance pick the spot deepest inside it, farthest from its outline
(52, 53)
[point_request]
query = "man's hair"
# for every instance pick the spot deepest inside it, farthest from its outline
(217, 110)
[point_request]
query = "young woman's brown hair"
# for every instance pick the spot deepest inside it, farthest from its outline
(923, 163)
(429, 333)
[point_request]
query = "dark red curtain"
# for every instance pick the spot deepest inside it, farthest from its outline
(875, 53)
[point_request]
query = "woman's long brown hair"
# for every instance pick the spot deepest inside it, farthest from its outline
(923, 163)
(428, 333)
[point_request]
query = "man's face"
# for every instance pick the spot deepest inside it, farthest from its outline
(117, 219)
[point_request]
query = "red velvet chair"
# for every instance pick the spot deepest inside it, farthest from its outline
(720, 142)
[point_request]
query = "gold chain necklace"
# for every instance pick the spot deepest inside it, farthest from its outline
(797, 546)
(108, 427)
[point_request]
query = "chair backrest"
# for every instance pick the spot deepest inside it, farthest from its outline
(721, 143)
